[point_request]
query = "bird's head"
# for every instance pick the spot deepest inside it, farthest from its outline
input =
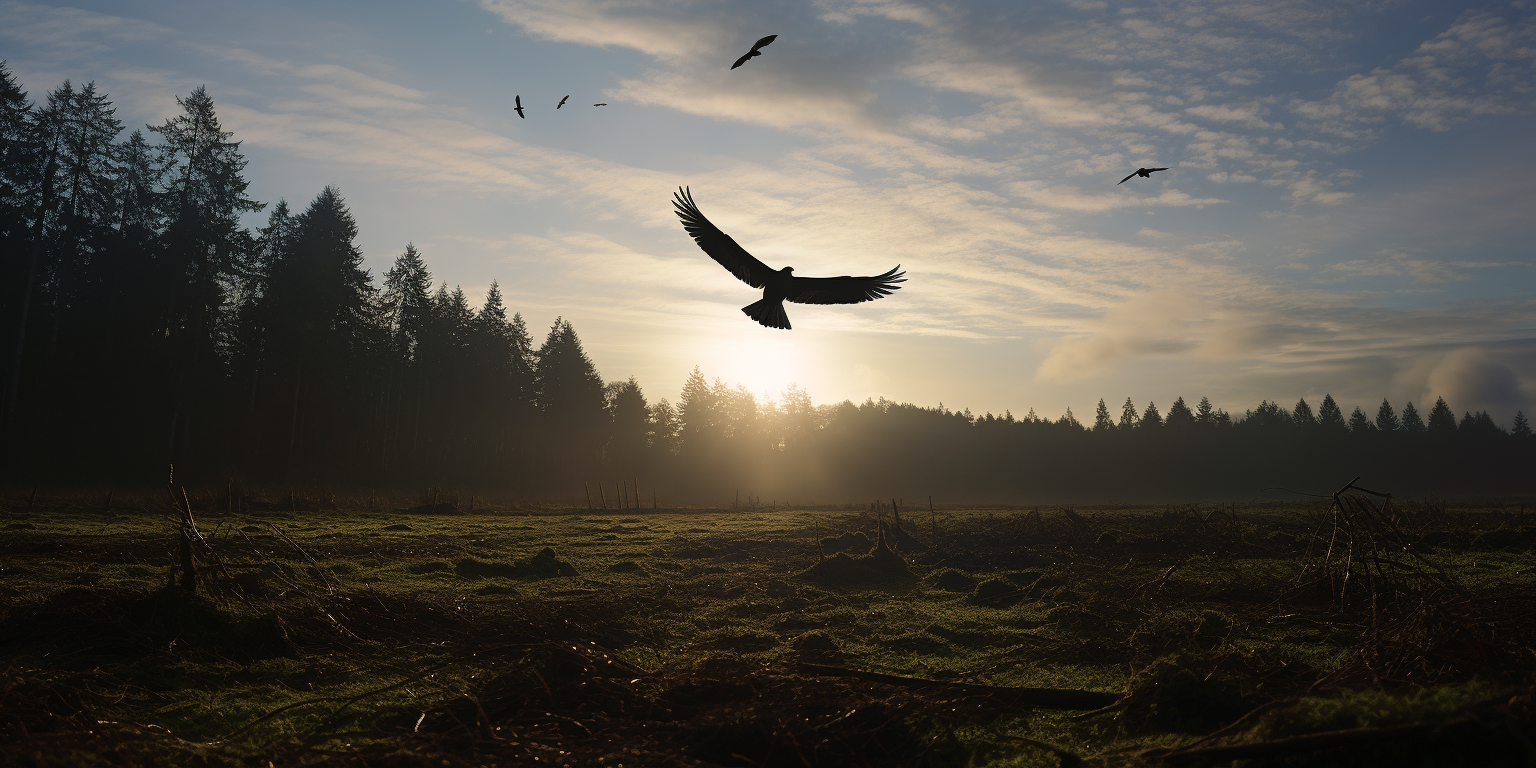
(787, 270)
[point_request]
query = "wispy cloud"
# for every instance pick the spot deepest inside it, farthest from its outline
(71, 32)
(1484, 64)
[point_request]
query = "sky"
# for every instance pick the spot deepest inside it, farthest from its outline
(1350, 207)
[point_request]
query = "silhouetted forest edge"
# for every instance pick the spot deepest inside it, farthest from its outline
(145, 327)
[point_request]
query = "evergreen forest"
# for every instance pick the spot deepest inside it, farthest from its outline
(144, 325)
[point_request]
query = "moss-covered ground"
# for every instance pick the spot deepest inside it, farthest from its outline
(363, 634)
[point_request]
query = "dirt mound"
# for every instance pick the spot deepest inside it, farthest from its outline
(881, 567)
(996, 593)
(817, 647)
(543, 565)
(851, 541)
(951, 580)
(779, 588)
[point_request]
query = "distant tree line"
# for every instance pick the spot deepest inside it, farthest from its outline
(142, 325)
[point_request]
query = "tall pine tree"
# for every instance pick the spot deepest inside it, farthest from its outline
(1128, 418)
(1386, 419)
(1442, 420)
(1102, 422)
(1330, 418)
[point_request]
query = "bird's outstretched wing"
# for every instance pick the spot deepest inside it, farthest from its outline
(845, 290)
(754, 52)
(719, 245)
(1124, 180)
(603, 104)
(1152, 170)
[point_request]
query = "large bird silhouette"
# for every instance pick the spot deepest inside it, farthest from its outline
(755, 51)
(1145, 173)
(781, 285)
(519, 108)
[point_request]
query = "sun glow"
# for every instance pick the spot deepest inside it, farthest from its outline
(764, 361)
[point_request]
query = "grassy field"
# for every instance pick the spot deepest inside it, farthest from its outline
(1353, 632)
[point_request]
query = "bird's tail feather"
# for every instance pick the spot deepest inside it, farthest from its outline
(769, 313)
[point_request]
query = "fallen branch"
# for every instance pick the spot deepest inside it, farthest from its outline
(1047, 698)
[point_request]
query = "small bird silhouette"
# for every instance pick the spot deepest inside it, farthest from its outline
(1145, 173)
(755, 50)
(519, 108)
(562, 103)
(604, 104)
(781, 285)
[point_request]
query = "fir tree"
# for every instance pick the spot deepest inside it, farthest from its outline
(1302, 415)
(15, 152)
(1179, 416)
(1151, 419)
(1128, 417)
(1386, 419)
(503, 390)
(630, 417)
(206, 200)
(139, 202)
(1411, 423)
(1069, 420)
(1479, 424)
(1359, 423)
(1268, 416)
(1521, 428)
(1205, 413)
(665, 427)
(318, 325)
(1330, 418)
(799, 415)
(205, 248)
(697, 411)
(1101, 420)
(570, 394)
(407, 298)
(1442, 420)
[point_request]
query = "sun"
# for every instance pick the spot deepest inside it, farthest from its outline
(762, 360)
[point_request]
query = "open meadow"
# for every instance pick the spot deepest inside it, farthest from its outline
(1350, 630)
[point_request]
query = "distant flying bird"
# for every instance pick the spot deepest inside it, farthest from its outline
(604, 104)
(778, 286)
(755, 50)
(1145, 173)
(562, 103)
(519, 108)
